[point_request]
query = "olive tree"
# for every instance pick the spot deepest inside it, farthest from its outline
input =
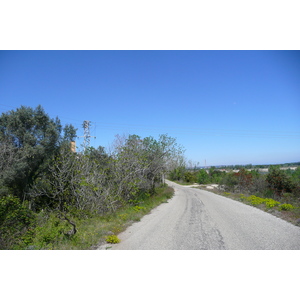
(31, 137)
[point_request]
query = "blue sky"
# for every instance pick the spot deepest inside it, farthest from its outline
(225, 107)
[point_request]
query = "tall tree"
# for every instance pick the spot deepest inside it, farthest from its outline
(33, 137)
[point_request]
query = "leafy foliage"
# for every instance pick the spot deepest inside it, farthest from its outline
(15, 221)
(48, 234)
(190, 177)
(112, 239)
(203, 177)
(286, 206)
(28, 137)
(278, 181)
(270, 203)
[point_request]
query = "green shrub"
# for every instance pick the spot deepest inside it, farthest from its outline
(202, 177)
(50, 233)
(15, 221)
(286, 206)
(254, 200)
(271, 203)
(112, 239)
(190, 177)
(279, 181)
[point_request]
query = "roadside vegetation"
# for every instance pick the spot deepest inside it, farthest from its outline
(47, 230)
(276, 191)
(53, 198)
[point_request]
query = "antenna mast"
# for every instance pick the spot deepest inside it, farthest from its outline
(86, 134)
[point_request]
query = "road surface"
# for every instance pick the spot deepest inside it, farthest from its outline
(201, 220)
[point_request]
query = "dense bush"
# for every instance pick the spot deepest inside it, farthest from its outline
(279, 181)
(202, 177)
(49, 233)
(28, 138)
(16, 220)
(229, 182)
(190, 177)
(177, 174)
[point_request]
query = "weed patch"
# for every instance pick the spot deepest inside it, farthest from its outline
(286, 206)
(112, 239)
(271, 203)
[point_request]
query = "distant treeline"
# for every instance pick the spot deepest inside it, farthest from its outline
(248, 166)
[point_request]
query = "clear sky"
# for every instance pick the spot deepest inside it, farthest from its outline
(225, 107)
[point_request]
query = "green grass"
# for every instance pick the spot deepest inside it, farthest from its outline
(96, 229)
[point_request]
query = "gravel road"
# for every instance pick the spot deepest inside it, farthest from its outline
(198, 219)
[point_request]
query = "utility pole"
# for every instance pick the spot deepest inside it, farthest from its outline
(86, 134)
